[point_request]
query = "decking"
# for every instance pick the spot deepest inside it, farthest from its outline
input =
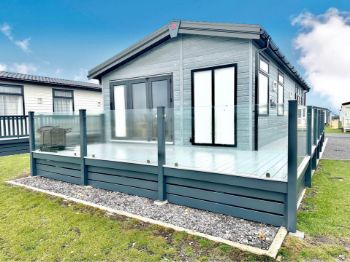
(269, 162)
(262, 185)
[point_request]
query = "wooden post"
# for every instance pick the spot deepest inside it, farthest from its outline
(32, 143)
(292, 166)
(161, 152)
(83, 146)
(309, 147)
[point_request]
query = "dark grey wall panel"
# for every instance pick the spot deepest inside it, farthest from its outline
(249, 182)
(59, 170)
(122, 165)
(228, 210)
(125, 189)
(122, 180)
(14, 146)
(57, 176)
(228, 199)
(124, 173)
(237, 190)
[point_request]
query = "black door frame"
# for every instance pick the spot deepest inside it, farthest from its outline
(212, 69)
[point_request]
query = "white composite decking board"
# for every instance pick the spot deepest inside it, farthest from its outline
(222, 160)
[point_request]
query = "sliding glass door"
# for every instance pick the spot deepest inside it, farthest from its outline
(135, 103)
(214, 112)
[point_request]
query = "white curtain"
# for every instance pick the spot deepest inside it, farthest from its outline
(11, 105)
(63, 105)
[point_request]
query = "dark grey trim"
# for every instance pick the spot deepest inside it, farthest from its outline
(212, 69)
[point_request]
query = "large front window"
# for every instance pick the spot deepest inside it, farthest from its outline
(134, 103)
(263, 87)
(214, 99)
(63, 101)
(11, 100)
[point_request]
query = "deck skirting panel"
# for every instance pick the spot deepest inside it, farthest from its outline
(132, 179)
(63, 171)
(14, 146)
(234, 198)
(260, 200)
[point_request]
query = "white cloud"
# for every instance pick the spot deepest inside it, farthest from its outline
(82, 76)
(324, 45)
(24, 68)
(58, 71)
(6, 30)
(3, 67)
(23, 44)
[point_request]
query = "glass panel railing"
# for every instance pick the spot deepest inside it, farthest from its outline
(302, 134)
(57, 133)
(123, 135)
(220, 139)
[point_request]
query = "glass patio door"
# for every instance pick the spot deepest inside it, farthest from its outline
(214, 99)
(135, 103)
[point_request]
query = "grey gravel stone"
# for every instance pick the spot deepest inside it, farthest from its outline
(227, 227)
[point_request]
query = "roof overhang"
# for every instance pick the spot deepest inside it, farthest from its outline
(174, 28)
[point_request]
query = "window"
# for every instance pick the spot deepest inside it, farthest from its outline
(213, 101)
(263, 87)
(280, 94)
(11, 100)
(142, 95)
(300, 95)
(63, 101)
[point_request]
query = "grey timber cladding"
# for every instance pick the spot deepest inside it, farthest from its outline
(180, 55)
(273, 126)
(174, 28)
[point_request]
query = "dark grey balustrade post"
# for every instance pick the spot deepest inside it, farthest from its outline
(292, 166)
(83, 146)
(32, 143)
(161, 152)
(309, 146)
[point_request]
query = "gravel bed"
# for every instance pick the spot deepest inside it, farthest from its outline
(227, 227)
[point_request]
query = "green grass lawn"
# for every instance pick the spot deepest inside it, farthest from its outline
(324, 216)
(34, 226)
(334, 130)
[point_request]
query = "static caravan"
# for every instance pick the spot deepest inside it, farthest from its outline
(21, 93)
(200, 70)
(206, 115)
(345, 116)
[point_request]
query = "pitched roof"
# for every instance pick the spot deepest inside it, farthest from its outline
(171, 30)
(8, 76)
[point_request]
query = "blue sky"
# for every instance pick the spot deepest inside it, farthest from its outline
(66, 38)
